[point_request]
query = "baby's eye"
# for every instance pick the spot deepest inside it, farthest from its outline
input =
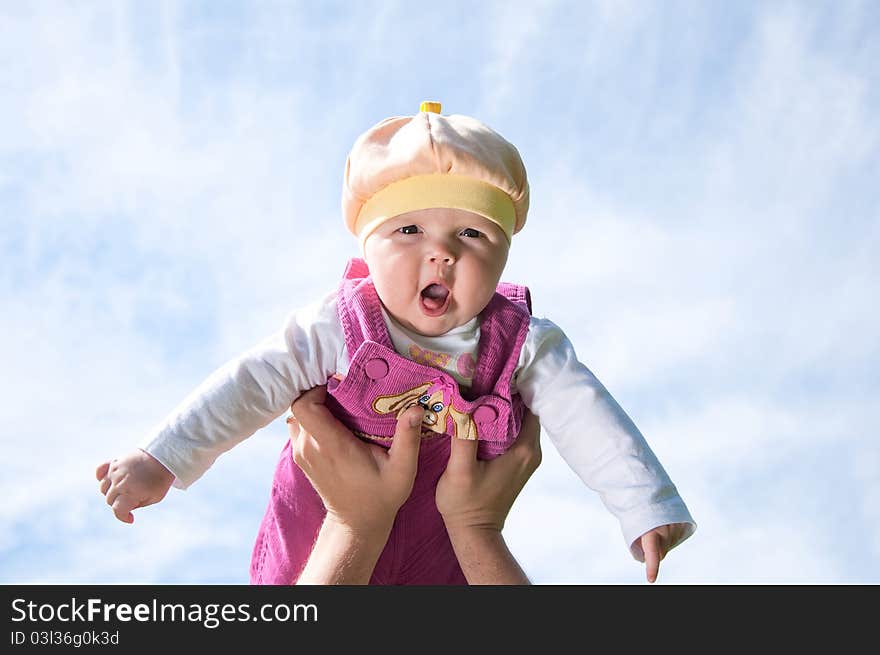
(424, 399)
(437, 407)
(408, 229)
(471, 232)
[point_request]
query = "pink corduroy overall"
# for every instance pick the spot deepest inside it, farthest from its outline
(379, 384)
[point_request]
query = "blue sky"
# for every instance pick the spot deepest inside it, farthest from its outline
(704, 225)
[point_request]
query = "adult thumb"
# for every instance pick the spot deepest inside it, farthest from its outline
(462, 454)
(404, 451)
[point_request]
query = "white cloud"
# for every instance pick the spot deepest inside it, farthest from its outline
(158, 217)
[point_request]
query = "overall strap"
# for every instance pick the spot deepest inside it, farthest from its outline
(504, 325)
(517, 293)
(359, 308)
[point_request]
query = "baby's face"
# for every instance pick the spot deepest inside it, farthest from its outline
(435, 269)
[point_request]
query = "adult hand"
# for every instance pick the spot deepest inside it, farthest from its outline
(474, 498)
(362, 484)
(473, 493)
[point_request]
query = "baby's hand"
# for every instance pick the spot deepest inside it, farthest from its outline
(134, 480)
(656, 543)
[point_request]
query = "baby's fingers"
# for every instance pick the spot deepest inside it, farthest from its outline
(122, 506)
(651, 548)
(102, 470)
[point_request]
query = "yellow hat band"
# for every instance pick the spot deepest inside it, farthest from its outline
(437, 190)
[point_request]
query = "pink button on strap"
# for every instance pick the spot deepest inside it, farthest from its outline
(376, 369)
(485, 414)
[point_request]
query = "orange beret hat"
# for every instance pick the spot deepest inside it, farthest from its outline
(407, 163)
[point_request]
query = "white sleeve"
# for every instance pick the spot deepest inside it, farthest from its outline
(596, 437)
(249, 392)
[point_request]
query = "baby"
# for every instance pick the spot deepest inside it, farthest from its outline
(422, 319)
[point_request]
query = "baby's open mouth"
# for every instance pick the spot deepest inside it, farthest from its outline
(435, 298)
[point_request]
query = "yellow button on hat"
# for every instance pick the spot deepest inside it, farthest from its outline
(433, 107)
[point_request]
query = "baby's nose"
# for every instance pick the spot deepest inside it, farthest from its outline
(441, 253)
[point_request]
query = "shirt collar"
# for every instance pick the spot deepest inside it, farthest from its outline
(462, 330)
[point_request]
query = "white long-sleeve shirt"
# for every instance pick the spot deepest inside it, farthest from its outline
(587, 426)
